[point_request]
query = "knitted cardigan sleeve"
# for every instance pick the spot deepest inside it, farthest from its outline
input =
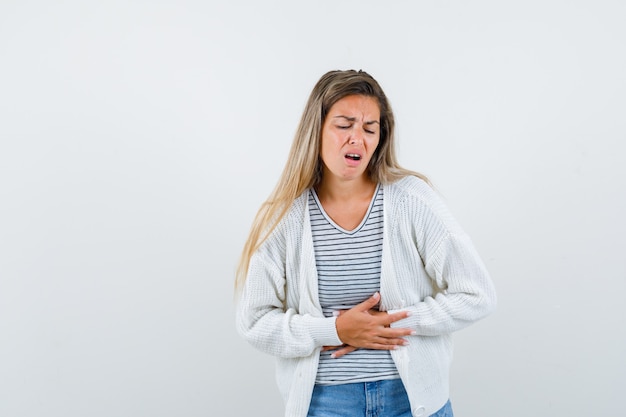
(266, 319)
(463, 290)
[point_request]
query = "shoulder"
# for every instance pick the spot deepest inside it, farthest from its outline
(409, 185)
(292, 221)
(411, 190)
(412, 198)
(297, 209)
(276, 239)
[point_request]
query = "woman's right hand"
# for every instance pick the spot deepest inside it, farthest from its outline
(364, 327)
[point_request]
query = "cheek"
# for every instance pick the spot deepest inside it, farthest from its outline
(326, 147)
(330, 142)
(373, 144)
(374, 149)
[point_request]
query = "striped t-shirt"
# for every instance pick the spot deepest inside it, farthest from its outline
(348, 268)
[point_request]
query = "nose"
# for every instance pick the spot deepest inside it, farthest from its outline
(356, 137)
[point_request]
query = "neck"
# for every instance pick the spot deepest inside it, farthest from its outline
(337, 190)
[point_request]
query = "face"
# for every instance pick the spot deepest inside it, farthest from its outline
(350, 135)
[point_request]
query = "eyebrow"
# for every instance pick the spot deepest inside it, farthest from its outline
(353, 119)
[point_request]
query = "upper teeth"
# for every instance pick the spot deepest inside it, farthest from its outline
(353, 155)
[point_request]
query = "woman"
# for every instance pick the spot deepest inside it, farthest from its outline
(355, 274)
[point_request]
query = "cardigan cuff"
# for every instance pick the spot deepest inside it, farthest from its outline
(324, 332)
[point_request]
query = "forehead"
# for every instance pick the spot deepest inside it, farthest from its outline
(361, 107)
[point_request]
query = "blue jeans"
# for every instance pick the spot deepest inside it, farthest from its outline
(385, 398)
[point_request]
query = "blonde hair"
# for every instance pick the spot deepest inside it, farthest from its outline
(303, 169)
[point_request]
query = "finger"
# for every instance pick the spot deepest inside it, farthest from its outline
(343, 351)
(387, 343)
(376, 312)
(326, 348)
(384, 346)
(395, 332)
(369, 303)
(391, 318)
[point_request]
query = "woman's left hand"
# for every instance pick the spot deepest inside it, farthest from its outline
(345, 349)
(341, 350)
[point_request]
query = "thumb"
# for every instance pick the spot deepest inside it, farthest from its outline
(369, 303)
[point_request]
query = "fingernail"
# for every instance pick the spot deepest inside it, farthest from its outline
(405, 342)
(336, 313)
(334, 356)
(413, 332)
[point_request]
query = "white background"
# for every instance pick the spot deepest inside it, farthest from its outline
(138, 138)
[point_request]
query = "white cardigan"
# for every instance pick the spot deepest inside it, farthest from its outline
(429, 267)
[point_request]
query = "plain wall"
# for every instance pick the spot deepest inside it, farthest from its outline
(138, 139)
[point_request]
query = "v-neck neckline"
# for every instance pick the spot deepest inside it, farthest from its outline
(363, 220)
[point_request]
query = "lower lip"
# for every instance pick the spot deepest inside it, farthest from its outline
(352, 162)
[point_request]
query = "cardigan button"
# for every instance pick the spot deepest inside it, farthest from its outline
(419, 411)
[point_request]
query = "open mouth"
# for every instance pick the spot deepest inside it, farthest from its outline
(353, 156)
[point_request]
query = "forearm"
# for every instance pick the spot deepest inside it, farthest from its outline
(445, 313)
(463, 290)
(285, 333)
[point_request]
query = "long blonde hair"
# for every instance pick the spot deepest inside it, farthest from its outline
(303, 169)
